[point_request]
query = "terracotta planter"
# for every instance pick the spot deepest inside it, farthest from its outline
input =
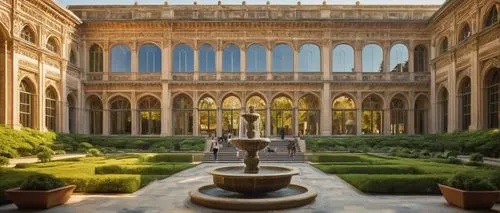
(469, 199)
(40, 199)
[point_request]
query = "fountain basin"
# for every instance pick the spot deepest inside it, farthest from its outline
(269, 179)
(294, 195)
(250, 144)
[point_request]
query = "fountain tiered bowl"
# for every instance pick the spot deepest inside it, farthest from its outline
(250, 187)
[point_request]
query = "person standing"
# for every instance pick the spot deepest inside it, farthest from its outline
(215, 148)
(282, 134)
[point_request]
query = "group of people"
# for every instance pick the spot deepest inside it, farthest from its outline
(217, 143)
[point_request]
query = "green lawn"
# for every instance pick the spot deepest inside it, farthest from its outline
(110, 174)
(393, 175)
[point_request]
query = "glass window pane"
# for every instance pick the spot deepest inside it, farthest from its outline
(373, 58)
(150, 58)
(399, 58)
(183, 58)
(282, 58)
(343, 58)
(256, 58)
(309, 58)
(206, 58)
(120, 59)
(231, 59)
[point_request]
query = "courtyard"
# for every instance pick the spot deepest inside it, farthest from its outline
(171, 195)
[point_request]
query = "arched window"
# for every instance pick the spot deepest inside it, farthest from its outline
(71, 114)
(207, 109)
(421, 115)
(52, 45)
(282, 116)
(344, 116)
(182, 115)
(398, 117)
(372, 116)
(465, 103)
(50, 109)
(120, 113)
(95, 58)
(399, 58)
(420, 64)
(309, 58)
(260, 107)
(150, 58)
(493, 98)
(121, 59)
(373, 58)
(28, 34)
(231, 58)
(465, 33)
(256, 58)
(26, 103)
(95, 115)
(72, 57)
(343, 58)
(183, 58)
(443, 110)
(207, 58)
(443, 47)
(231, 107)
(309, 115)
(282, 58)
(492, 17)
(149, 110)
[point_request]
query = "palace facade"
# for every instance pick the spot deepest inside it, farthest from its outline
(193, 69)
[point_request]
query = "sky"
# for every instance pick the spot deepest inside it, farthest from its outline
(174, 2)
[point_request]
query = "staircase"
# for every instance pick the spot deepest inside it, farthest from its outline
(229, 153)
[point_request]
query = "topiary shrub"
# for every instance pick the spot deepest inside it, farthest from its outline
(476, 157)
(4, 161)
(170, 158)
(468, 182)
(45, 156)
(85, 145)
(43, 148)
(60, 152)
(454, 160)
(94, 153)
(41, 182)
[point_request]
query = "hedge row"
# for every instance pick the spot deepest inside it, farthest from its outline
(361, 169)
(105, 183)
(486, 142)
(159, 158)
(16, 143)
(142, 170)
(338, 158)
(396, 184)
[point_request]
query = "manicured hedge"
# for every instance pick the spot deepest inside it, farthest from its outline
(72, 142)
(396, 184)
(16, 143)
(338, 158)
(143, 170)
(10, 179)
(105, 183)
(360, 169)
(486, 142)
(185, 158)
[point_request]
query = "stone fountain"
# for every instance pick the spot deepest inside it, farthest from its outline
(252, 187)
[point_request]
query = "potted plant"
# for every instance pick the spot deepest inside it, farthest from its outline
(40, 191)
(469, 192)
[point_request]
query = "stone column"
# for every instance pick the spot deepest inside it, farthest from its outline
(40, 116)
(433, 122)
(387, 60)
(166, 62)
(135, 115)
(196, 122)
(218, 62)
(134, 62)
(476, 90)
(243, 63)
(82, 121)
(268, 121)
(269, 56)
(196, 62)
(411, 116)
(296, 63)
(14, 86)
(387, 115)
(105, 62)
(326, 62)
(295, 114)
(63, 115)
(326, 110)
(411, 60)
(105, 115)
(358, 61)
(359, 112)
(452, 97)
(166, 111)
(85, 60)
(219, 129)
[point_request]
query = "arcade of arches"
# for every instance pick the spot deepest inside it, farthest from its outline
(104, 70)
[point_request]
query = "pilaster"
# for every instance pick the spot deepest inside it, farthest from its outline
(134, 115)
(196, 63)
(134, 65)
(40, 116)
(326, 51)
(166, 111)
(268, 121)
(452, 97)
(166, 62)
(359, 112)
(269, 56)
(326, 110)
(243, 63)
(476, 99)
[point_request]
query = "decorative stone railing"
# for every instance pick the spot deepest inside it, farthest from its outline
(283, 76)
(208, 76)
(253, 76)
(230, 76)
(184, 76)
(310, 76)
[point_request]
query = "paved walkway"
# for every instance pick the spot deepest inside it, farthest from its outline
(13, 162)
(171, 195)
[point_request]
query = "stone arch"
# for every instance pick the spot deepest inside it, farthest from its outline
(144, 95)
(381, 97)
(258, 94)
(402, 96)
(346, 94)
(228, 94)
(117, 95)
(30, 80)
